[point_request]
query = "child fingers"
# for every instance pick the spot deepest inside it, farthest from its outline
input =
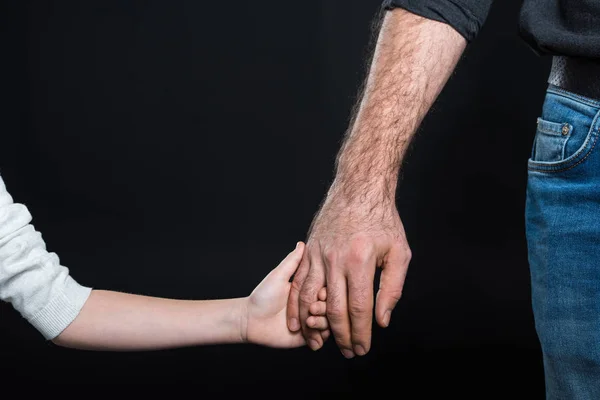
(322, 294)
(319, 323)
(319, 308)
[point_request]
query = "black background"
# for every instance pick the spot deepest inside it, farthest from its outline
(180, 149)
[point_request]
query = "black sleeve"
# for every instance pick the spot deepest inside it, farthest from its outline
(465, 16)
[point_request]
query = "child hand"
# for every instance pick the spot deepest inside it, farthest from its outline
(317, 318)
(266, 308)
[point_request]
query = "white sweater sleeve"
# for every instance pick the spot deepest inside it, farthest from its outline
(31, 278)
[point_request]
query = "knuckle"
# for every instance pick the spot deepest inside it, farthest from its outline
(396, 294)
(393, 293)
(334, 314)
(360, 251)
(357, 309)
(330, 255)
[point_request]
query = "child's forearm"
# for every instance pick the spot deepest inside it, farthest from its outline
(120, 321)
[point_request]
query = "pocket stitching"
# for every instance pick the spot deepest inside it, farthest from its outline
(557, 132)
(549, 167)
(564, 165)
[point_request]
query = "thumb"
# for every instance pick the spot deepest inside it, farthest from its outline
(393, 273)
(289, 265)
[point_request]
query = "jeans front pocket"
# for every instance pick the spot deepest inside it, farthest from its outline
(550, 140)
(567, 133)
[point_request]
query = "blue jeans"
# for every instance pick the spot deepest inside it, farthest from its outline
(563, 236)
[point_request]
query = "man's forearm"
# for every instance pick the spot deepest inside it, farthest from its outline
(120, 321)
(358, 227)
(413, 60)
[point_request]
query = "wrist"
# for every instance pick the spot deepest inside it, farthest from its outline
(242, 319)
(357, 190)
(366, 178)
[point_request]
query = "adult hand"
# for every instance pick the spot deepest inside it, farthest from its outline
(348, 240)
(358, 227)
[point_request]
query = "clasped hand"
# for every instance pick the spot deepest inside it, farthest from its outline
(347, 242)
(333, 280)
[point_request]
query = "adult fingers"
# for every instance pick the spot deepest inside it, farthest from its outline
(314, 281)
(393, 274)
(337, 310)
(360, 303)
(293, 305)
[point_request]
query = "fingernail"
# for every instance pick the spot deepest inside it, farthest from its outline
(297, 244)
(313, 344)
(358, 349)
(294, 324)
(386, 318)
(347, 353)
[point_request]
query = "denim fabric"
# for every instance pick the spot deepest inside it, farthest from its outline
(563, 236)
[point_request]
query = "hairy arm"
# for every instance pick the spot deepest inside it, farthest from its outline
(413, 59)
(358, 227)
